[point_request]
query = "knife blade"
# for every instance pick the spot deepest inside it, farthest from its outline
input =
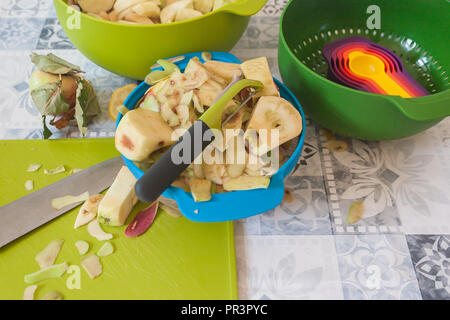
(33, 210)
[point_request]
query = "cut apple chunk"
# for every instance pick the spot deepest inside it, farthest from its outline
(140, 133)
(187, 13)
(88, 210)
(105, 250)
(269, 114)
(28, 294)
(96, 6)
(119, 200)
(169, 12)
(92, 266)
(258, 69)
(225, 70)
(82, 247)
(204, 6)
(208, 92)
(201, 189)
(246, 183)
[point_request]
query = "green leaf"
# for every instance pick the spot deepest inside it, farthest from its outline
(86, 106)
(47, 133)
(53, 64)
(49, 100)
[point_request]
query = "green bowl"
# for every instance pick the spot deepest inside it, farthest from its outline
(130, 50)
(306, 26)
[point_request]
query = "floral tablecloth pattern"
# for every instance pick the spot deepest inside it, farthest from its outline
(303, 249)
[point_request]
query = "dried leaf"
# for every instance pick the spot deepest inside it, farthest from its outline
(86, 106)
(46, 133)
(62, 120)
(355, 212)
(53, 64)
(49, 100)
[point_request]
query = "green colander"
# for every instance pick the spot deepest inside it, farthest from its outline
(413, 29)
(130, 50)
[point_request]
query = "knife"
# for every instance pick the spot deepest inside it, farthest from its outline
(27, 213)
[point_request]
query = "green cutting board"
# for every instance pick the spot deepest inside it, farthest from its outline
(175, 259)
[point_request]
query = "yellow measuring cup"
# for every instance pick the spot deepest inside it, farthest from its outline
(371, 67)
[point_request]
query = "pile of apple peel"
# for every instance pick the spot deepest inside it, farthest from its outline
(147, 11)
(177, 99)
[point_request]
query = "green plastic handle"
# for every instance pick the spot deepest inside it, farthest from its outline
(213, 116)
(246, 8)
(432, 107)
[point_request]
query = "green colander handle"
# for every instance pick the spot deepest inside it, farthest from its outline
(244, 8)
(432, 107)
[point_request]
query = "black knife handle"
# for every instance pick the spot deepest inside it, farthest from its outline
(174, 161)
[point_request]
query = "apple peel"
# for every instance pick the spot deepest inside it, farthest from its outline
(97, 232)
(62, 202)
(142, 221)
(82, 247)
(33, 167)
(28, 294)
(29, 185)
(92, 266)
(105, 250)
(47, 256)
(88, 210)
(51, 272)
(53, 295)
(54, 171)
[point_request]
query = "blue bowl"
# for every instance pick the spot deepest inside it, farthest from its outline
(232, 205)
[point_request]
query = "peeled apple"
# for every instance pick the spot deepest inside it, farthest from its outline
(140, 133)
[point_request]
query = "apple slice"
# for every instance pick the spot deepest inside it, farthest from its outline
(88, 210)
(258, 69)
(272, 113)
(246, 183)
(95, 6)
(92, 266)
(97, 232)
(48, 255)
(225, 70)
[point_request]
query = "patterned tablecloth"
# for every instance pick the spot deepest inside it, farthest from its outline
(304, 249)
